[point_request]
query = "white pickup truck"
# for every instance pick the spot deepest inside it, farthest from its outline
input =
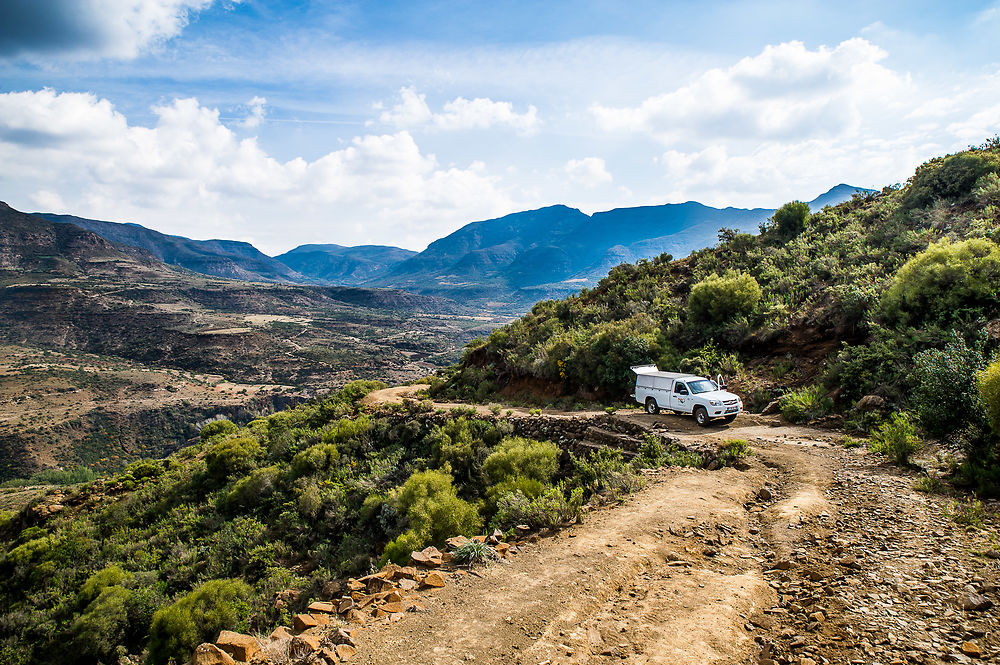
(684, 393)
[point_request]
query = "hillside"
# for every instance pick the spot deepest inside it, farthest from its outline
(887, 298)
(66, 290)
(221, 258)
(348, 266)
(518, 259)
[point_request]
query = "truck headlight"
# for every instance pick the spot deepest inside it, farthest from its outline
(713, 402)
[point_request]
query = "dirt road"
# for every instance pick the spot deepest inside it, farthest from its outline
(812, 554)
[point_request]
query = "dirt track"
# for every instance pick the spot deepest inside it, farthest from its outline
(842, 563)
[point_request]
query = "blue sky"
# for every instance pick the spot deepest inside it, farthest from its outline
(284, 123)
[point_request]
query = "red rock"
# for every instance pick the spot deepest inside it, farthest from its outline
(239, 646)
(303, 622)
(209, 654)
(392, 608)
(434, 580)
(306, 643)
(320, 607)
(346, 603)
(345, 652)
(280, 633)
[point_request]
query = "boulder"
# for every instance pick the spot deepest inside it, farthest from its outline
(346, 603)
(974, 602)
(241, 647)
(971, 649)
(434, 580)
(341, 636)
(280, 633)
(320, 607)
(303, 622)
(345, 652)
(870, 403)
(209, 654)
(305, 644)
(392, 608)
(405, 573)
(355, 617)
(456, 542)
(430, 557)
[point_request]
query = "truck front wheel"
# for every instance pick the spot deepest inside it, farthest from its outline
(701, 416)
(651, 406)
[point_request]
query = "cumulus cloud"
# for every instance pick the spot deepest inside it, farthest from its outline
(412, 110)
(589, 171)
(192, 171)
(112, 28)
(785, 92)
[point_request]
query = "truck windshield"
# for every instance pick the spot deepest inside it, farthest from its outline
(703, 386)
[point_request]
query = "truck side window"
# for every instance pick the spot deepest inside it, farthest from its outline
(680, 389)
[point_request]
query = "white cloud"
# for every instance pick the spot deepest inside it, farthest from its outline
(255, 114)
(785, 92)
(589, 171)
(88, 28)
(192, 172)
(412, 111)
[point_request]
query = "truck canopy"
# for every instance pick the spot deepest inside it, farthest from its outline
(651, 370)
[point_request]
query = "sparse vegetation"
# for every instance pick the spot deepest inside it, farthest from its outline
(896, 438)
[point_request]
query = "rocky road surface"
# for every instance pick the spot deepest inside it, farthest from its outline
(811, 554)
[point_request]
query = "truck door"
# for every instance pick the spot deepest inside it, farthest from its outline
(680, 398)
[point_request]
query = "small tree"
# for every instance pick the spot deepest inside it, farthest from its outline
(718, 299)
(790, 219)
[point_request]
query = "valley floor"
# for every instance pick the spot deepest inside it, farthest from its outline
(812, 554)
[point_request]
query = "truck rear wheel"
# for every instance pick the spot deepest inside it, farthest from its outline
(701, 416)
(651, 406)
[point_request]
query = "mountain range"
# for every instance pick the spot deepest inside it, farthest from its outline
(504, 263)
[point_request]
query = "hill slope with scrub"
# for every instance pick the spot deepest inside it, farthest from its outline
(887, 302)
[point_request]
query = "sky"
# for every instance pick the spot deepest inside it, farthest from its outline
(290, 122)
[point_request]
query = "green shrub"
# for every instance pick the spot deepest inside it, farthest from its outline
(851, 442)
(944, 395)
(790, 219)
(549, 509)
(474, 552)
(948, 177)
(315, 459)
(521, 457)
(718, 299)
(805, 404)
(734, 451)
(102, 626)
(896, 438)
(433, 513)
(233, 457)
(605, 471)
(198, 617)
(989, 394)
(253, 489)
(944, 282)
(218, 428)
(96, 583)
(652, 453)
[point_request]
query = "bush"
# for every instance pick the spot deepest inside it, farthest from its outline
(790, 219)
(520, 457)
(734, 451)
(314, 459)
(474, 552)
(944, 395)
(718, 299)
(548, 510)
(805, 404)
(233, 457)
(945, 282)
(96, 583)
(218, 428)
(433, 512)
(989, 394)
(948, 177)
(896, 438)
(99, 630)
(198, 617)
